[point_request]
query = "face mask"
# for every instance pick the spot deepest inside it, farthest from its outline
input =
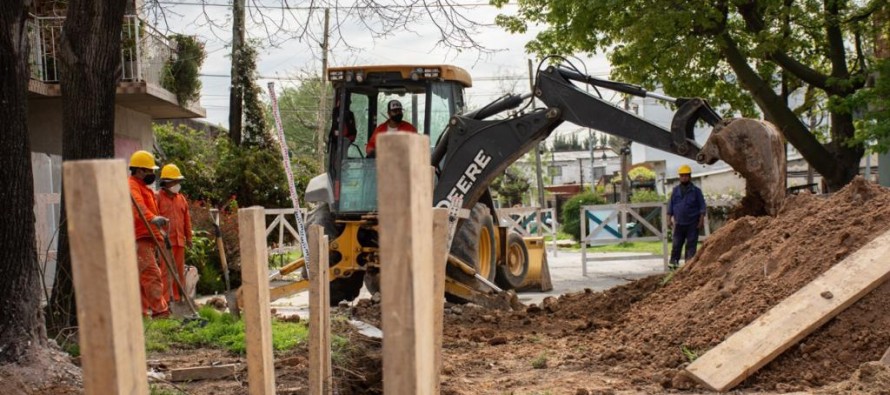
(149, 179)
(175, 188)
(397, 117)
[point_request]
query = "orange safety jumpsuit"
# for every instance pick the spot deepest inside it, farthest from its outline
(151, 285)
(175, 207)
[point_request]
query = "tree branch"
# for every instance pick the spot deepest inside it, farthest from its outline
(836, 51)
(775, 108)
(755, 24)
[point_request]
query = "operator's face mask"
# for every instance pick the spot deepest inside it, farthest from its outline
(175, 188)
(149, 179)
(397, 116)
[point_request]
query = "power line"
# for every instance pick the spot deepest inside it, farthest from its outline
(318, 8)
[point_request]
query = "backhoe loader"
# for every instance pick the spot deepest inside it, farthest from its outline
(468, 151)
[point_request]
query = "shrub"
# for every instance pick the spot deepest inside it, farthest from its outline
(571, 221)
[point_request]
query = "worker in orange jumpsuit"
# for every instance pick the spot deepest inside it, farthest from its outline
(151, 285)
(174, 206)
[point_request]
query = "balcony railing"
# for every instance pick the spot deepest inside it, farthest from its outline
(144, 50)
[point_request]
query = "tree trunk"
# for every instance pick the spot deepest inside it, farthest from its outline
(236, 94)
(848, 158)
(90, 69)
(21, 321)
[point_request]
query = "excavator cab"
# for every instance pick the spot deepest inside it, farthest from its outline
(430, 95)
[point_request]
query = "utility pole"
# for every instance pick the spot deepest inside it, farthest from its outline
(531, 84)
(323, 96)
(236, 93)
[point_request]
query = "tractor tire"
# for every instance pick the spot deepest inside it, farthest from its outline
(513, 272)
(345, 288)
(474, 243)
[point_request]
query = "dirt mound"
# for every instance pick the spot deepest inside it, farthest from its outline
(871, 378)
(749, 266)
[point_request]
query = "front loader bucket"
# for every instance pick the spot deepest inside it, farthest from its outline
(538, 277)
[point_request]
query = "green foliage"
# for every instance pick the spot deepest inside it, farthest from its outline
(646, 196)
(727, 52)
(571, 217)
(181, 71)
(540, 362)
(641, 173)
(511, 187)
(195, 154)
(254, 131)
(299, 116)
(221, 330)
(874, 127)
(219, 172)
(689, 353)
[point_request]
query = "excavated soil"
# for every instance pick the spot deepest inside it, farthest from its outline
(639, 337)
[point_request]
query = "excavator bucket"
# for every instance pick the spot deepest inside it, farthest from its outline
(538, 277)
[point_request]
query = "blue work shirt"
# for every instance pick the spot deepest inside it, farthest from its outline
(687, 204)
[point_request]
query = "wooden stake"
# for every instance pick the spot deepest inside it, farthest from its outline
(106, 278)
(404, 195)
(256, 311)
(319, 313)
(755, 345)
(440, 258)
(202, 373)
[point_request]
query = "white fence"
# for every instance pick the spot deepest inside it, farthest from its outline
(283, 224)
(530, 221)
(622, 223)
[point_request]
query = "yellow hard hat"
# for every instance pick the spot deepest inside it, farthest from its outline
(143, 160)
(171, 172)
(684, 169)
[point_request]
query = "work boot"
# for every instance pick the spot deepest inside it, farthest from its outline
(673, 265)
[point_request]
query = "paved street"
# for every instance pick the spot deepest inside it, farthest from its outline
(565, 273)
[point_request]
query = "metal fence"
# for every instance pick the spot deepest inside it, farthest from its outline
(145, 51)
(621, 223)
(530, 221)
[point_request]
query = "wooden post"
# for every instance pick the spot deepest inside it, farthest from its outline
(404, 195)
(106, 278)
(319, 313)
(440, 259)
(257, 314)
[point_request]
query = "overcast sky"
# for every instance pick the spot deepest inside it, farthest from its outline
(505, 68)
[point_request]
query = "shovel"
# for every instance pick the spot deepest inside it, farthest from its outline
(231, 297)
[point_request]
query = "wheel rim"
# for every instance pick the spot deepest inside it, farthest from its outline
(514, 259)
(485, 252)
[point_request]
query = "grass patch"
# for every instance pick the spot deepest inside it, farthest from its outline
(540, 362)
(689, 353)
(668, 277)
(650, 247)
(277, 261)
(221, 330)
(155, 390)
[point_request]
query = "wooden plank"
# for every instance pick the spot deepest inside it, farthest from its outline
(106, 278)
(404, 195)
(319, 313)
(440, 258)
(256, 311)
(202, 373)
(755, 345)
